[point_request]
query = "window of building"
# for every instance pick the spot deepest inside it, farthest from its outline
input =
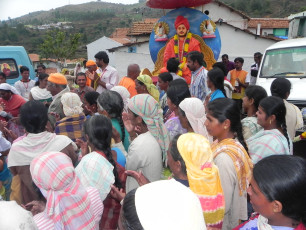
(280, 32)
(132, 49)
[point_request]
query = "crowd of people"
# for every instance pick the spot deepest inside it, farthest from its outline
(110, 153)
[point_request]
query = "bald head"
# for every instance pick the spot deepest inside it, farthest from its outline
(133, 71)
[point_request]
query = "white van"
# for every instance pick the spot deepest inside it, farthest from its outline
(286, 59)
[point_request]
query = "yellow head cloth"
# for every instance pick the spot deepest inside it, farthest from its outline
(147, 80)
(203, 176)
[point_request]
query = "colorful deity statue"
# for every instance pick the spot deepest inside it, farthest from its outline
(180, 45)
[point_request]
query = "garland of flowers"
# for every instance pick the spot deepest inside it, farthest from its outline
(183, 57)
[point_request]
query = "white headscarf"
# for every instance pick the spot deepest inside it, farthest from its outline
(13, 216)
(124, 93)
(72, 104)
(168, 205)
(5, 86)
(195, 113)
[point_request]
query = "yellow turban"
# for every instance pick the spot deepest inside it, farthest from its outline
(147, 80)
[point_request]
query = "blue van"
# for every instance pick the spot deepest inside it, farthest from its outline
(11, 59)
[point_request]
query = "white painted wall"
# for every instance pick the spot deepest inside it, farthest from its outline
(231, 17)
(264, 31)
(253, 30)
(52, 65)
(102, 44)
(123, 59)
(268, 31)
(141, 38)
(237, 43)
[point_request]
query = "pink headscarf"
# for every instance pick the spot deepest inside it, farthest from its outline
(68, 204)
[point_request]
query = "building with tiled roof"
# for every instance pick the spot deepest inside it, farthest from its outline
(277, 27)
(34, 57)
(120, 35)
(140, 31)
(269, 22)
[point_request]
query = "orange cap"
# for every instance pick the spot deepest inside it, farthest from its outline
(57, 78)
(90, 63)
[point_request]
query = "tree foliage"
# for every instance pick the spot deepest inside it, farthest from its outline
(58, 45)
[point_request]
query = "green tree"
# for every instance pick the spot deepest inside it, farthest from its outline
(58, 45)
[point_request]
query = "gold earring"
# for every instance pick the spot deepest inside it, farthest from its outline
(270, 122)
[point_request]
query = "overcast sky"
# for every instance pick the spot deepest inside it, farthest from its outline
(17, 8)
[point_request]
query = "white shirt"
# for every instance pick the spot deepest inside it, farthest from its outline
(175, 76)
(294, 119)
(110, 76)
(24, 88)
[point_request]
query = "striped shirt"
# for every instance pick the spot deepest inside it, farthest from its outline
(198, 87)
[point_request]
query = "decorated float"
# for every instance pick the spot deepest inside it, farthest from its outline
(181, 31)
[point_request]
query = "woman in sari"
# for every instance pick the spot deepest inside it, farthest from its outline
(125, 94)
(273, 139)
(40, 92)
(176, 93)
(72, 124)
(69, 205)
(110, 104)
(203, 177)
(144, 85)
(11, 103)
(215, 82)
(277, 193)
(250, 102)
(192, 116)
(98, 130)
(34, 118)
(151, 137)
(10, 100)
(230, 155)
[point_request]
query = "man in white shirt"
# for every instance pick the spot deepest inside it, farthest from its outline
(107, 76)
(24, 85)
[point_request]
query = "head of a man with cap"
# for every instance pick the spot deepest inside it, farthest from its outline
(56, 83)
(181, 25)
(91, 66)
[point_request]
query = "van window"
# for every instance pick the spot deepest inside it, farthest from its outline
(288, 62)
(9, 68)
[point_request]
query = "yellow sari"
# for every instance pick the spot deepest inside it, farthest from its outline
(240, 157)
